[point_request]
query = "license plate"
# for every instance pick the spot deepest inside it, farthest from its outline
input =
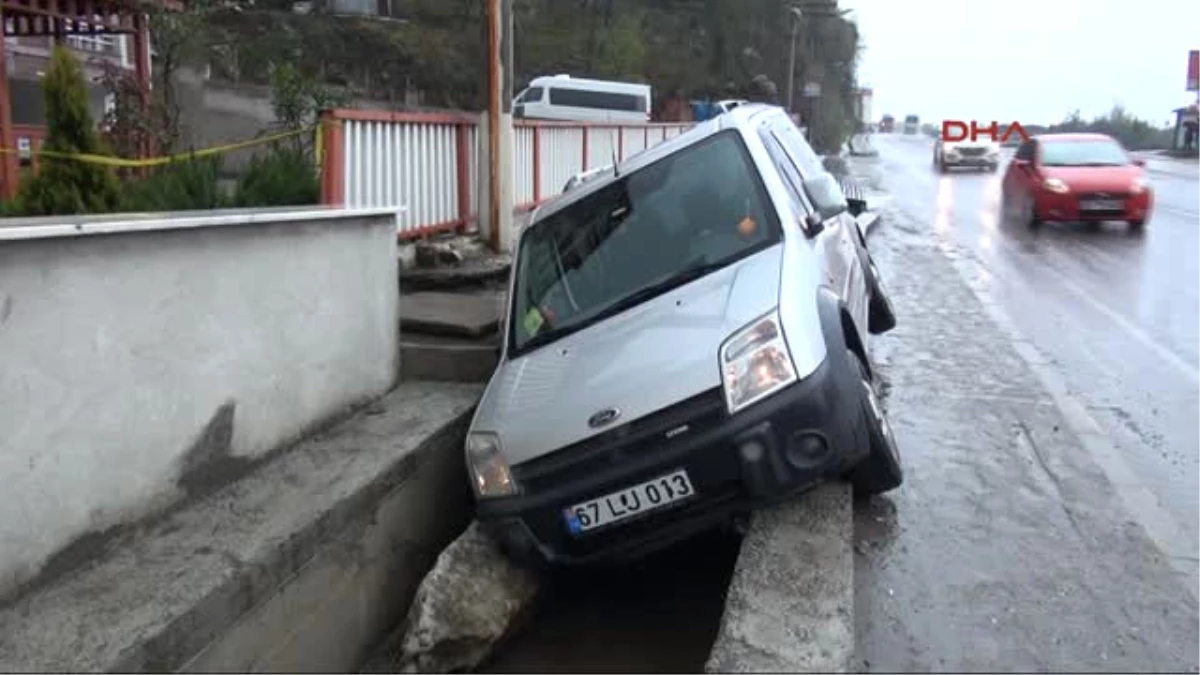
(1101, 205)
(638, 499)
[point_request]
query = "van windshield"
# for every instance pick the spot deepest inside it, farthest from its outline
(641, 235)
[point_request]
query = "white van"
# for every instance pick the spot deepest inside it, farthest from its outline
(565, 98)
(686, 340)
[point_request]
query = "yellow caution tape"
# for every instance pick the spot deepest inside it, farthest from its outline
(121, 162)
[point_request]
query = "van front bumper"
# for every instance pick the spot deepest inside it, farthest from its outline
(771, 451)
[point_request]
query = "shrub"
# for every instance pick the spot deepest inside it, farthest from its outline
(282, 177)
(186, 185)
(68, 186)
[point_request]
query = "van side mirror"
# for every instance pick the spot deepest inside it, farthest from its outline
(1139, 162)
(826, 195)
(813, 225)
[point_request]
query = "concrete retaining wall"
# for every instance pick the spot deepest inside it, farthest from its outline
(145, 359)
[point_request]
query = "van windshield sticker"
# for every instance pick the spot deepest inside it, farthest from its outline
(533, 321)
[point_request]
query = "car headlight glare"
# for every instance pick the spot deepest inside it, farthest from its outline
(1139, 186)
(489, 470)
(1056, 185)
(755, 362)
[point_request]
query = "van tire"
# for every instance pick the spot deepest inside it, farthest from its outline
(881, 470)
(880, 316)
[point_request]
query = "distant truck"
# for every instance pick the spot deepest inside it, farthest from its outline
(887, 125)
(912, 124)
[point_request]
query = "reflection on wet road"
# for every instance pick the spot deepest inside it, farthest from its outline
(1117, 312)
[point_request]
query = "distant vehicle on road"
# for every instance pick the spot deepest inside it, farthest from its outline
(686, 341)
(912, 124)
(982, 153)
(887, 125)
(1075, 178)
(565, 98)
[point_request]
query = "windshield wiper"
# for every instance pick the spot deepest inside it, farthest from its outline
(689, 273)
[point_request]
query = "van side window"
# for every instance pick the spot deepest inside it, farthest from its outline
(532, 95)
(787, 172)
(602, 100)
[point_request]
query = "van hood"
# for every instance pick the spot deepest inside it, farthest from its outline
(638, 362)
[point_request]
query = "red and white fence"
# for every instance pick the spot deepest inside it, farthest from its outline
(428, 163)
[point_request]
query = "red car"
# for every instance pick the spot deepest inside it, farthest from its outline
(1075, 178)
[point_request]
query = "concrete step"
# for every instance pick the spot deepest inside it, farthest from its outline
(478, 273)
(448, 359)
(301, 566)
(465, 315)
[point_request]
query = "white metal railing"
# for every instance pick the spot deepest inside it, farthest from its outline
(429, 163)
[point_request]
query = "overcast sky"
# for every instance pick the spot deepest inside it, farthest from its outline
(1027, 60)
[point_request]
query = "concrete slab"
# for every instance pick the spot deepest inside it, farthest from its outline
(790, 606)
(448, 359)
(451, 314)
(301, 566)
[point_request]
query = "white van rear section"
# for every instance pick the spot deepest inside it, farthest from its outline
(569, 99)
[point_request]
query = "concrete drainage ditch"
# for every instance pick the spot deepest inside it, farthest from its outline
(779, 599)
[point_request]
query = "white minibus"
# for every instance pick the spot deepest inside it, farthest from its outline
(565, 98)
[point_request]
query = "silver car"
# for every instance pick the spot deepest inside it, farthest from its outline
(982, 153)
(686, 341)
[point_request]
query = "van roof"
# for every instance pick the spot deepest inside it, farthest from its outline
(743, 116)
(584, 83)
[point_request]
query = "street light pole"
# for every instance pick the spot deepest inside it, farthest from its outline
(791, 77)
(499, 123)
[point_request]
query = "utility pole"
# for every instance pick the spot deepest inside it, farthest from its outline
(791, 76)
(499, 187)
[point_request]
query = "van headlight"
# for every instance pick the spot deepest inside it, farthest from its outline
(1139, 186)
(755, 362)
(489, 471)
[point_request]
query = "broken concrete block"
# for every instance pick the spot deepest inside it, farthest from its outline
(436, 254)
(468, 602)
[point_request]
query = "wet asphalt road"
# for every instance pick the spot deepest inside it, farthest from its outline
(1024, 538)
(1117, 313)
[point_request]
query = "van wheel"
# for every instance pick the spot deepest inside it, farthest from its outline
(880, 316)
(880, 471)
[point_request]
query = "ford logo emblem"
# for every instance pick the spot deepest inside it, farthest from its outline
(603, 417)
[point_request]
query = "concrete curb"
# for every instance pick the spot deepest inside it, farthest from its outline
(790, 604)
(300, 566)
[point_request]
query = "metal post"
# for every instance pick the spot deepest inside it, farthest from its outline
(791, 83)
(499, 121)
(494, 107)
(9, 167)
